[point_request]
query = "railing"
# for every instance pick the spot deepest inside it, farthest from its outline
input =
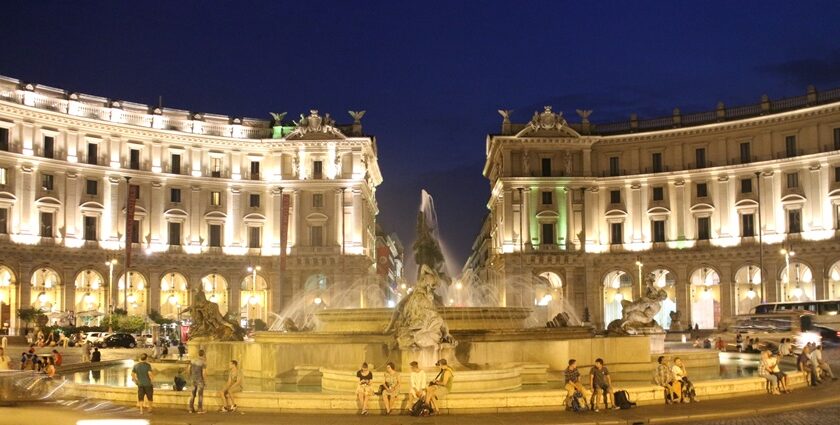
(133, 117)
(721, 114)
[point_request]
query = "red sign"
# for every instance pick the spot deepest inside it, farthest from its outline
(133, 190)
(285, 208)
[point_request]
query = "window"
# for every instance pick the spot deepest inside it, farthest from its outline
(615, 196)
(175, 195)
(658, 193)
(4, 219)
(616, 233)
(92, 153)
(49, 147)
(748, 225)
(4, 139)
(614, 166)
(134, 159)
(794, 221)
(215, 232)
(546, 198)
(746, 185)
(837, 139)
(316, 235)
(792, 180)
(91, 187)
(47, 181)
(790, 146)
(254, 200)
(46, 225)
(702, 190)
(3, 175)
(174, 233)
(658, 230)
(704, 224)
(255, 170)
(135, 232)
(546, 167)
(215, 199)
(318, 170)
(656, 161)
(700, 157)
(318, 200)
(90, 228)
(216, 167)
(175, 163)
(746, 156)
(547, 234)
(254, 237)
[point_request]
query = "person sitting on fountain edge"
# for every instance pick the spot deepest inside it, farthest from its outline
(440, 387)
(572, 381)
(364, 390)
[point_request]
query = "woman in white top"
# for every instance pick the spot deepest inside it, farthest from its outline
(682, 385)
(418, 383)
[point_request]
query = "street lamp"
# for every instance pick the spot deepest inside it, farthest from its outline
(252, 300)
(114, 299)
(789, 253)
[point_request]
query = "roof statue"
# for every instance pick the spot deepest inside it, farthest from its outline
(357, 116)
(278, 117)
(547, 122)
(315, 124)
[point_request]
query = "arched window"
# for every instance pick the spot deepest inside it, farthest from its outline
(174, 295)
(8, 298)
(705, 298)
(797, 282)
(90, 303)
(618, 286)
(215, 289)
(254, 300)
(46, 293)
(747, 288)
(135, 299)
(664, 279)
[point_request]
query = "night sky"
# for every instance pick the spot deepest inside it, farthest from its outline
(430, 75)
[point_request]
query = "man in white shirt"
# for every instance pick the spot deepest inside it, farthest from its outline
(5, 361)
(817, 361)
(419, 382)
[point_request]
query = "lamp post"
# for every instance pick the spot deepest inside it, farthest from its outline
(787, 253)
(252, 298)
(114, 298)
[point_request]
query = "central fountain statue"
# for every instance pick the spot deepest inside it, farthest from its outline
(208, 323)
(638, 316)
(416, 323)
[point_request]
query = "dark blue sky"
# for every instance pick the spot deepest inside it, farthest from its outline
(431, 75)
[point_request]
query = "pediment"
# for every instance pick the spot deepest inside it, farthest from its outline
(92, 206)
(616, 213)
(316, 218)
(6, 196)
(175, 212)
(254, 218)
(48, 201)
(548, 124)
(218, 215)
(746, 203)
(659, 211)
(793, 199)
(702, 207)
(548, 214)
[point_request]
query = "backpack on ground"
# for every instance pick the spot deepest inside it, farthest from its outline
(577, 403)
(420, 408)
(622, 400)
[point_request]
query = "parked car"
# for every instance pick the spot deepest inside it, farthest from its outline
(144, 340)
(95, 337)
(122, 340)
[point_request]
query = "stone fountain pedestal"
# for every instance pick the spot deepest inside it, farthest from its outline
(425, 357)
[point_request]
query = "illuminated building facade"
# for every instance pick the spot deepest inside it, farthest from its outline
(217, 195)
(585, 211)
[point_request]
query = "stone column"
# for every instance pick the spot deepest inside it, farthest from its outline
(722, 204)
(295, 221)
(26, 192)
(679, 207)
(193, 224)
(71, 206)
(636, 209)
(358, 216)
(234, 234)
(71, 143)
(525, 213)
(235, 165)
(769, 200)
(507, 215)
(587, 162)
(27, 135)
(814, 205)
(156, 205)
(274, 219)
(339, 218)
(110, 224)
(114, 150)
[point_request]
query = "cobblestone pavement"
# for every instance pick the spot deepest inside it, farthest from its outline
(812, 416)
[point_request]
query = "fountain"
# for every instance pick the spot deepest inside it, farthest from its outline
(504, 355)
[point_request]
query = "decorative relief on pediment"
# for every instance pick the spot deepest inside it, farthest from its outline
(314, 126)
(548, 123)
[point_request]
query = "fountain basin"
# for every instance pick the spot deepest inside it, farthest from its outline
(375, 320)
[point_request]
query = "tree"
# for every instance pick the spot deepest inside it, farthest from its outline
(28, 315)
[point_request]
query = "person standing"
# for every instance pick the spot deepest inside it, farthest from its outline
(142, 374)
(96, 356)
(363, 390)
(392, 387)
(198, 373)
(182, 350)
(418, 383)
(5, 361)
(86, 352)
(601, 383)
(232, 386)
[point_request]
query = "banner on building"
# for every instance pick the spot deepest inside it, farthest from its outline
(285, 208)
(133, 191)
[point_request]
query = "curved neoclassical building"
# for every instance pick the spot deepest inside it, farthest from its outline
(583, 211)
(294, 200)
